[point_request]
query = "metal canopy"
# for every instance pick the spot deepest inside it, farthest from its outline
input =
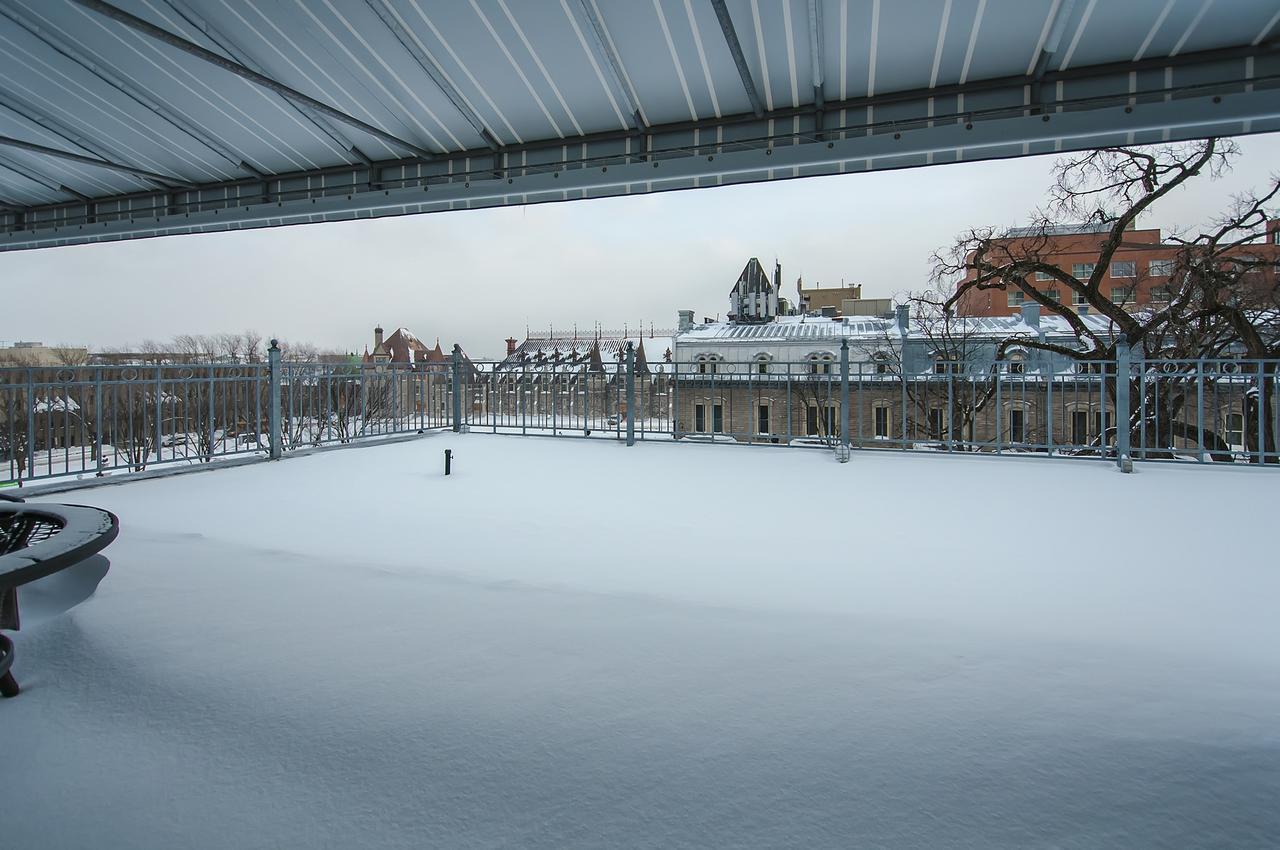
(136, 118)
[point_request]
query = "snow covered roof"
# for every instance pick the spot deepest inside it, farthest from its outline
(553, 353)
(1057, 230)
(402, 346)
(858, 328)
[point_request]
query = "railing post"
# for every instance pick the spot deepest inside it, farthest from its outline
(97, 417)
(457, 388)
(1123, 418)
(631, 394)
(159, 413)
(31, 424)
(273, 411)
(844, 392)
(1200, 410)
(1048, 404)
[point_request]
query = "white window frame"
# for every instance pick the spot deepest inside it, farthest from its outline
(1010, 410)
(1228, 431)
(888, 421)
(1161, 267)
(1130, 265)
(767, 409)
(1086, 268)
(1131, 298)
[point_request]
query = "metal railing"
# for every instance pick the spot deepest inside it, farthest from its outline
(100, 420)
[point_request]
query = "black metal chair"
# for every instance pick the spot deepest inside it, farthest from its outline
(37, 540)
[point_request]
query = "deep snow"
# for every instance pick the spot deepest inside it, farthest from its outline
(573, 643)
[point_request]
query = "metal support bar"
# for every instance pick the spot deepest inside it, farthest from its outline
(62, 131)
(8, 141)
(611, 61)
(1050, 47)
(184, 11)
(457, 388)
(273, 411)
(135, 93)
(293, 95)
(27, 173)
(735, 48)
(411, 45)
(844, 391)
(631, 394)
(816, 63)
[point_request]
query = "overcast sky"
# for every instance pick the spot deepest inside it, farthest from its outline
(476, 277)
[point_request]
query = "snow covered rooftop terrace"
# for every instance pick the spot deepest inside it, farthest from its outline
(348, 649)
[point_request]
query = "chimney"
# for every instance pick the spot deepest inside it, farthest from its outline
(511, 346)
(1082, 310)
(684, 320)
(904, 318)
(777, 276)
(1031, 315)
(377, 337)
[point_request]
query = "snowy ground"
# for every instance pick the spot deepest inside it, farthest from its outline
(570, 643)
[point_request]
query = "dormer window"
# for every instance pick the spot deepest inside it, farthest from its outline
(882, 361)
(946, 364)
(820, 362)
(762, 364)
(708, 364)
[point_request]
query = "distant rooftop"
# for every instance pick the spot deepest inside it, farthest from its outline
(867, 327)
(1057, 230)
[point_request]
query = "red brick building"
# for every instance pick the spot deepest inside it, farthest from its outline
(1137, 277)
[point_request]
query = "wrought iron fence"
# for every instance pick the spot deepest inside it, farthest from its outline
(99, 420)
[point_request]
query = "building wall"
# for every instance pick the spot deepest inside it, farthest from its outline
(931, 414)
(1140, 247)
(816, 299)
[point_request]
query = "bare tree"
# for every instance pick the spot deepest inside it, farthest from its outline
(1222, 285)
(65, 354)
(252, 346)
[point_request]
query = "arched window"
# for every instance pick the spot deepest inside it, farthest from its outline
(820, 362)
(708, 363)
(761, 362)
(1016, 361)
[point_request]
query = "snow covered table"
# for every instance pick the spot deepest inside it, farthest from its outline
(37, 541)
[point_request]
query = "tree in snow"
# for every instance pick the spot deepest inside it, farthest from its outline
(1222, 294)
